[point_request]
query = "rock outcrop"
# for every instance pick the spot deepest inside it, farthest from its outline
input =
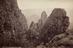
(35, 27)
(56, 23)
(12, 23)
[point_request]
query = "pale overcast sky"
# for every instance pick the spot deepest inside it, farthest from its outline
(32, 9)
(31, 4)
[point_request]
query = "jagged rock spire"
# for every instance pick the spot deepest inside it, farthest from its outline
(56, 23)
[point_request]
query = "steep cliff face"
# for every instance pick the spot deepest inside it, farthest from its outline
(56, 23)
(12, 23)
(35, 27)
(42, 20)
(43, 17)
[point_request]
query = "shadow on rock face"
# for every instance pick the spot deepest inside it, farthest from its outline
(58, 12)
(56, 23)
(11, 23)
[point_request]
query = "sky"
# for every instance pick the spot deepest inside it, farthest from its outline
(32, 9)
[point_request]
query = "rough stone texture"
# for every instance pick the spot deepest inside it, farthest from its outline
(12, 23)
(35, 27)
(56, 23)
(64, 40)
(42, 20)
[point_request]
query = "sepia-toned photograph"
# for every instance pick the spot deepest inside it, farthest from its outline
(36, 23)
